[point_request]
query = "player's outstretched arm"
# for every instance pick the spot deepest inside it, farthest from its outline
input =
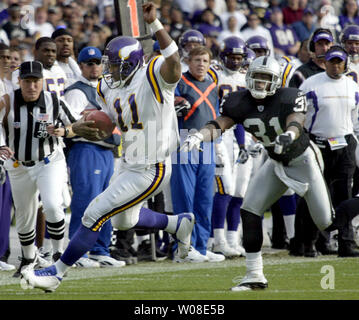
(210, 132)
(171, 68)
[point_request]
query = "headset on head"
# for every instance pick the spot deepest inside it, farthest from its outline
(339, 47)
(319, 30)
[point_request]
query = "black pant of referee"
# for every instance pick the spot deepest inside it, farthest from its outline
(339, 167)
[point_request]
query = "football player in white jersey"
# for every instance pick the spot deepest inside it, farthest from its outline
(139, 98)
(54, 77)
(229, 174)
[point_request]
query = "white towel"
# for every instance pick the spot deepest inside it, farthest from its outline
(298, 187)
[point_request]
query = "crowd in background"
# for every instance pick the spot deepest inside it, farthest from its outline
(92, 22)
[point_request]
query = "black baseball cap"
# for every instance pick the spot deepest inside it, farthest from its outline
(31, 69)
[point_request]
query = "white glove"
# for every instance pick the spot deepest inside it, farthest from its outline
(255, 149)
(283, 141)
(192, 141)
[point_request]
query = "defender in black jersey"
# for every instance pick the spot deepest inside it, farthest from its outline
(275, 116)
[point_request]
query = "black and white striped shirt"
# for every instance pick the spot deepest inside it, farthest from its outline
(26, 124)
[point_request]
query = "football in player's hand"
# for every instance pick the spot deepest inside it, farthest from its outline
(102, 122)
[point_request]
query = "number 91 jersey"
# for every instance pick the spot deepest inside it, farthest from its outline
(144, 113)
(266, 118)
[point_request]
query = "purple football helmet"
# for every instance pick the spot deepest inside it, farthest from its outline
(250, 56)
(350, 40)
(123, 56)
(259, 45)
(190, 36)
(232, 46)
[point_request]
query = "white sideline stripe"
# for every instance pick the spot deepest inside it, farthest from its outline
(147, 268)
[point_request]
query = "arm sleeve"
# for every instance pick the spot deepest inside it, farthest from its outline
(239, 133)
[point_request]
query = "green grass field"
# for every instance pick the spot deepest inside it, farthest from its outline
(289, 278)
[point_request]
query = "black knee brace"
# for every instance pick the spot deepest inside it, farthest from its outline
(252, 231)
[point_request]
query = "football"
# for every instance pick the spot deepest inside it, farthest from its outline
(102, 122)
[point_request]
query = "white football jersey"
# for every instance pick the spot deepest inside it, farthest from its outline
(144, 113)
(54, 79)
(228, 81)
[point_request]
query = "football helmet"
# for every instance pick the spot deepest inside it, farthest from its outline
(256, 84)
(232, 46)
(351, 33)
(190, 35)
(250, 56)
(257, 43)
(122, 57)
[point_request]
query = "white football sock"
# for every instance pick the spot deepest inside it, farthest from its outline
(232, 238)
(172, 224)
(29, 251)
(61, 268)
(47, 245)
(254, 262)
(219, 236)
(57, 245)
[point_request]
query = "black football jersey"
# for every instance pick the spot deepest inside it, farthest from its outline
(266, 118)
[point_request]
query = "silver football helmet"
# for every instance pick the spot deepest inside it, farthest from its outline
(260, 85)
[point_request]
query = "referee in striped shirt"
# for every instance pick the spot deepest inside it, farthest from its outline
(37, 165)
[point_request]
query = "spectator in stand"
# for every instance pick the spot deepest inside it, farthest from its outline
(232, 11)
(292, 12)
(232, 29)
(41, 27)
(349, 13)
(209, 5)
(207, 24)
(285, 40)
(54, 16)
(305, 27)
(178, 24)
(15, 31)
(260, 7)
(109, 18)
(164, 10)
(255, 28)
(88, 25)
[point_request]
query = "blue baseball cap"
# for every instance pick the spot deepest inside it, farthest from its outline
(89, 53)
(323, 35)
(336, 53)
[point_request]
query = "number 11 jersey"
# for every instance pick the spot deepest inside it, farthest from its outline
(144, 113)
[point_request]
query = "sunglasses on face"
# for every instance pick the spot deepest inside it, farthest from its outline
(91, 63)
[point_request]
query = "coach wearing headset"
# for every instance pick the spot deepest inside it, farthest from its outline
(319, 43)
(332, 123)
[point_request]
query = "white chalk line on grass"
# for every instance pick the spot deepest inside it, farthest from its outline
(164, 267)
